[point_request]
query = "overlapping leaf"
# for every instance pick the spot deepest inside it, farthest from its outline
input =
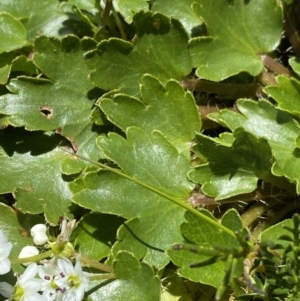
(232, 169)
(129, 8)
(12, 33)
(95, 234)
(281, 131)
(64, 101)
(182, 10)
(201, 233)
(31, 172)
(160, 48)
(230, 48)
(153, 223)
(168, 109)
(286, 94)
(136, 281)
(17, 227)
(39, 17)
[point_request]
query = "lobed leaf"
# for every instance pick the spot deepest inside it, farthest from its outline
(183, 11)
(286, 94)
(231, 169)
(129, 8)
(136, 281)
(32, 173)
(160, 48)
(63, 102)
(168, 109)
(230, 49)
(198, 232)
(280, 130)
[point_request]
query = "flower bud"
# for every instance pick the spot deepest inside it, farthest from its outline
(28, 251)
(38, 232)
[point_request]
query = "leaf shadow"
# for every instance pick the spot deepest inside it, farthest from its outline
(18, 140)
(142, 241)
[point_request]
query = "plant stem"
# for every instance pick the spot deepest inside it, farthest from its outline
(274, 66)
(266, 79)
(291, 206)
(119, 24)
(94, 264)
(35, 258)
(175, 201)
(254, 212)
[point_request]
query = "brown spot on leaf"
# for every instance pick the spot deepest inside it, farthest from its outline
(24, 232)
(28, 189)
(47, 111)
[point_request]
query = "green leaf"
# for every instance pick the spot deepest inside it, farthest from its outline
(286, 94)
(22, 64)
(168, 109)
(31, 172)
(64, 101)
(273, 233)
(12, 33)
(203, 234)
(174, 288)
(231, 170)
(38, 17)
(280, 130)
(95, 234)
(129, 8)
(159, 48)
(295, 64)
(150, 160)
(183, 11)
(231, 48)
(5, 66)
(136, 281)
(17, 228)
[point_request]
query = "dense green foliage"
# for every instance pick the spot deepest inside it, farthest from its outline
(168, 130)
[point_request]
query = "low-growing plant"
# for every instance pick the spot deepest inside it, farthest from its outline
(149, 150)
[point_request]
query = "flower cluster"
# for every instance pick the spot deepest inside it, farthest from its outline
(55, 280)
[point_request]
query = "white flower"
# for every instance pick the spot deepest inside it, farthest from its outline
(28, 251)
(27, 287)
(49, 273)
(6, 289)
(72, 282)
(38, 232)
(5, 248)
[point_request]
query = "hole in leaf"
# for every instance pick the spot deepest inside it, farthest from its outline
(46, 111)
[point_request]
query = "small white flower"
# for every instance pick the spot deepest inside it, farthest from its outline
(6, 289)
(72, 282)
(49, 273)
(27, 287)
(5, 248)
(28, 251)
(38, 232)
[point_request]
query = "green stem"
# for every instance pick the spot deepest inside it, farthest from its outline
(119, 24)
(254, 212)
(94, 264)
(35, 258)
(272, 221)
(103, 277)
(274, 66)
(175, 201)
